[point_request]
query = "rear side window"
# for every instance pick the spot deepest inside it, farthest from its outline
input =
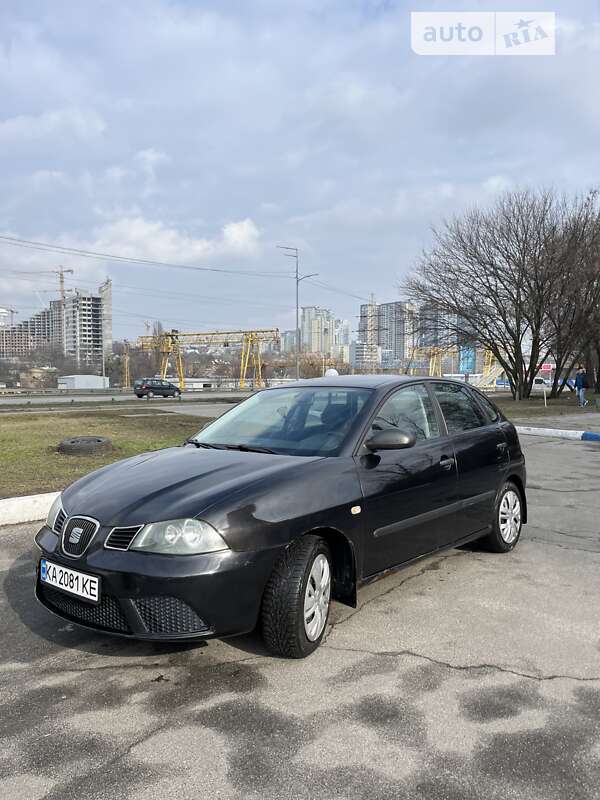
(460, 410)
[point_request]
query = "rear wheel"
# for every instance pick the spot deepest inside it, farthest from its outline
(507, 520)
(297, 599)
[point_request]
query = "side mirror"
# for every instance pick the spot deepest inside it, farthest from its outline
(391, 439)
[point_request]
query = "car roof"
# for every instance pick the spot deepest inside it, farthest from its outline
(361, 381)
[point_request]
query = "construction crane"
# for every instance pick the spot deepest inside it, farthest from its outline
(61, 272)
(172, 343)
(492, 370)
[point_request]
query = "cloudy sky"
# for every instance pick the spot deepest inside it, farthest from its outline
(206, 132)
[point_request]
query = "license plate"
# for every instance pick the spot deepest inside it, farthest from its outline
(71, 581)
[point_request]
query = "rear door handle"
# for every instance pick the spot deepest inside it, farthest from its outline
(446, 463)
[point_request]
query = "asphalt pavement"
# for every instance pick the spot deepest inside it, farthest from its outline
(469, 675)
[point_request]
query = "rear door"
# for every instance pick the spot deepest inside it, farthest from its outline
(481, 452)
(410, 495)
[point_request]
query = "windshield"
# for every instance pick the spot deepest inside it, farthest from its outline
(307, 421)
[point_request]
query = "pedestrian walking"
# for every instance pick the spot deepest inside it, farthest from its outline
(581, 384)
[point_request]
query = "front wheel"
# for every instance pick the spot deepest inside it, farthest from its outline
(507, 520)
(150, 395)
(176, 394)
(297, 599)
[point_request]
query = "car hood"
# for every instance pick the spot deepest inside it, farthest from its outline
(171, 484)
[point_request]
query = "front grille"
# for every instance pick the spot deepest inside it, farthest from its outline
(77, 534)
(121, 538)
(169, 615)
(59, 522)
(107, 614)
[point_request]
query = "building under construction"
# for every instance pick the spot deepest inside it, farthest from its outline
(79, 324)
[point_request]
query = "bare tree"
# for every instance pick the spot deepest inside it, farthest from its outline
(573, 315)
(495, 275)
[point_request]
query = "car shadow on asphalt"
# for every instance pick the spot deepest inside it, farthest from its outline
(60, 634)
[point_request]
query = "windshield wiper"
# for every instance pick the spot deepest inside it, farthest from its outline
(248, 448)
(204, 444)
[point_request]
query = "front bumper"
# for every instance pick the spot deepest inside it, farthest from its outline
(165, 598)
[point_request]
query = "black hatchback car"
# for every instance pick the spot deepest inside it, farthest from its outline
(155, 387)
(294, 497)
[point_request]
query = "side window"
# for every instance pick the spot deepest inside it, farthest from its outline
(411, 410)
(460, 410)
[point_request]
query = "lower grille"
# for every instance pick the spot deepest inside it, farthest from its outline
(169, 615)
(106, 615)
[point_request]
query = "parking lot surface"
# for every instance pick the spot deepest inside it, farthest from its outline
(468, 675)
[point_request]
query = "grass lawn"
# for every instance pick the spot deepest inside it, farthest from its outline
(534, 406)
(29, 462)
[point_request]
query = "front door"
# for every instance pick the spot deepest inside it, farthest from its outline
(481, 450)
(409, 495)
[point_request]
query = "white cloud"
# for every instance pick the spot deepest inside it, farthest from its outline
(139, 237)
(149, 160)
(74, 123)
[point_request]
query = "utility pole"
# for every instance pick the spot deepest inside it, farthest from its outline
(293, 252)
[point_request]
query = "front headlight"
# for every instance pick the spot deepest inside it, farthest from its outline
(180, 537)
(53, 513)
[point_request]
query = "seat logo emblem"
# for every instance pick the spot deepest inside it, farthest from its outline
(75, 535)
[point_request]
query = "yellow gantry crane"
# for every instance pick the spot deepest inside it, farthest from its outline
(172, 344)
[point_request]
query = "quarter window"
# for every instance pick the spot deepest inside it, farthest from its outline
(460, 410)
(489, 409)
(410, 410)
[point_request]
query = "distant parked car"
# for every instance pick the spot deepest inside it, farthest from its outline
(539, 384)
(155, 387)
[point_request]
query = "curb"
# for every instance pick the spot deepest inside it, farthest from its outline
(557, 433)
(30, 508)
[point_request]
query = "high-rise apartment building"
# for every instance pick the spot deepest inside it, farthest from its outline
(321, 332)
(389, 328)
(81, 327)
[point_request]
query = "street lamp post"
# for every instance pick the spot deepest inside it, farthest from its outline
(293, 252)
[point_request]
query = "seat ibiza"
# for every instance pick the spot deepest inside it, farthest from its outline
(289, 500)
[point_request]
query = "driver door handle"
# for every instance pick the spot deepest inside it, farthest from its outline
(446, 463)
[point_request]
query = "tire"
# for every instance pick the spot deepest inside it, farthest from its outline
(139, 396)
(507, 521)
(85, 445)
(150, 395)
(176, 394)
(284, 629)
